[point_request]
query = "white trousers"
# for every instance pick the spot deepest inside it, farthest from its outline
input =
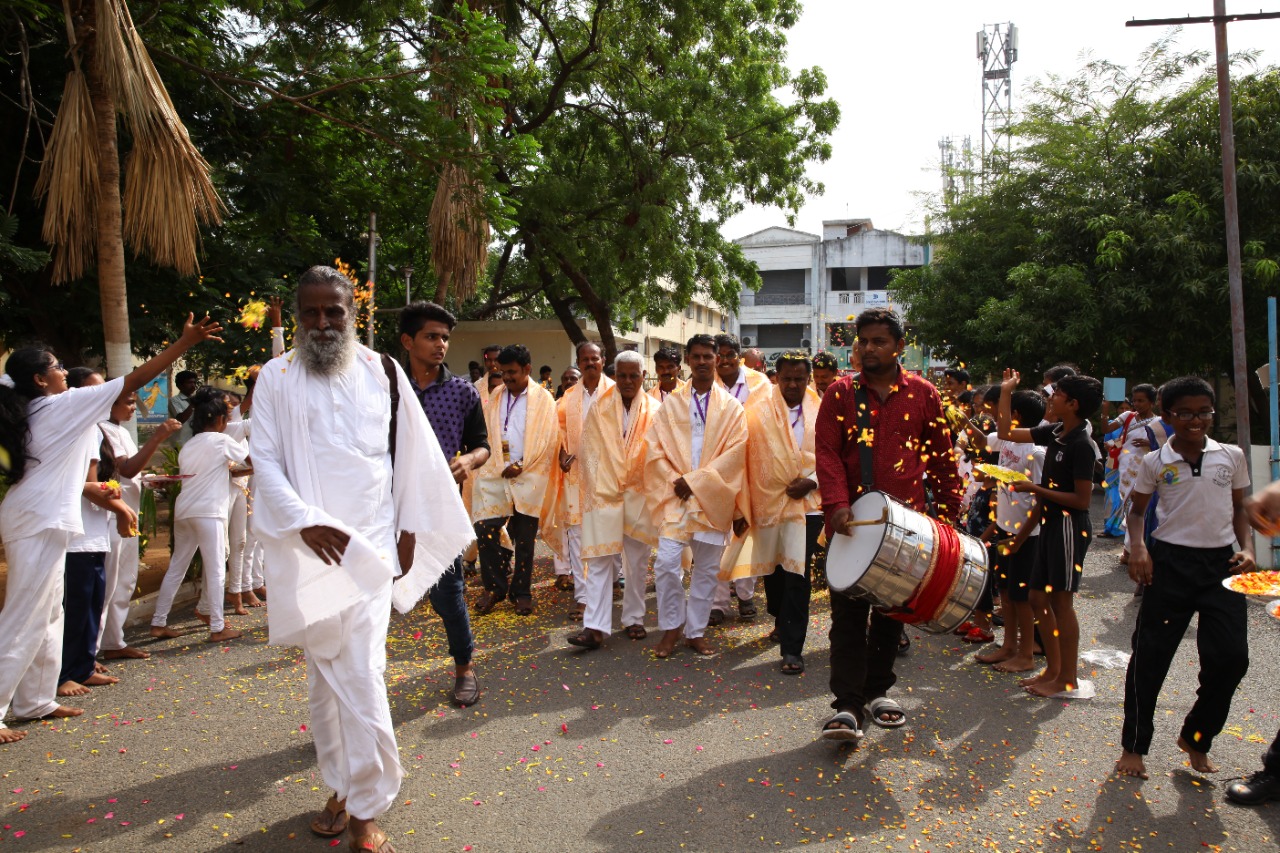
(122, 579)
(209, 535)
(350, 715)
(668, 578)
(31, 624)
(238, 573)
(573, 549)
(744, 587)
(600, 575)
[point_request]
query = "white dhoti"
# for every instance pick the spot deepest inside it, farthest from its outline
(573, 553)
(598, 592)
(31, 624)
(668, 578)
(350, 716)
(122, 579)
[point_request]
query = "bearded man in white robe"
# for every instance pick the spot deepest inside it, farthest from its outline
(349, 494)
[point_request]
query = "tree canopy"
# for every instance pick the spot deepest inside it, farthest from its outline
(1101, 240)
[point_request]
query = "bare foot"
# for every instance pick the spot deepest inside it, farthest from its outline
(251, 600)
(164, 632)
(1130, 764)
(701, 645)
(128, 652)
(98, 679)
(1047, 689)
(1199, 760)
(995, 656)
(98, 667)
(63, 711)
(261, 592)
(1015, 664)
(72, 688)
(10, 736)
(240, 611)
(667, 644)
(1035, 679)
(203, 617)
(224, 634)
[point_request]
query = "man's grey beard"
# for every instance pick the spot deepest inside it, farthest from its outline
(327, 357)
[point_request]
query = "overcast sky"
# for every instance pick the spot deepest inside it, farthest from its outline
(906, 74)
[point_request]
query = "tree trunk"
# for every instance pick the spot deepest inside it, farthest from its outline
(110, 247)
(598, 308)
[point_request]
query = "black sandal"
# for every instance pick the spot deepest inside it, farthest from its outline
(792, 665)
(585, 639)
(466, 690)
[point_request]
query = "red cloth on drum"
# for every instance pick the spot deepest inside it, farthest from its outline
(936, 588)
(909, 439)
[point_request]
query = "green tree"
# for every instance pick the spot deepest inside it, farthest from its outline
(1102, 243)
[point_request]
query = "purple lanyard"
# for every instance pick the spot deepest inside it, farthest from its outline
(741, 385)
(799, 410)
(700, 406)
(511, 404)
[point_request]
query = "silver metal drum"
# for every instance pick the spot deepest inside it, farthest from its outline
(888, 556)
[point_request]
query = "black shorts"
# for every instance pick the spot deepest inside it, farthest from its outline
(1064, 540)
(1013, 571)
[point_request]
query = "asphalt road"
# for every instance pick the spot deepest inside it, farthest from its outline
(206, 748)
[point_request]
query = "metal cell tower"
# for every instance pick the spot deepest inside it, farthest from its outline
(998, 50)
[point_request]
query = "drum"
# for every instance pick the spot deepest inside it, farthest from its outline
(917, 570)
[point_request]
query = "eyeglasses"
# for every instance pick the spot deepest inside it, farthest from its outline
(57, 365)
(1190, 416)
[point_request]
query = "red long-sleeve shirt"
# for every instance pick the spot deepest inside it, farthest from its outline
(909, 441)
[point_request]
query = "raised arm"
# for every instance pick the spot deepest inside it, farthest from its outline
(1004, 413)
(131, 466)
(193, 332)
(277, 326)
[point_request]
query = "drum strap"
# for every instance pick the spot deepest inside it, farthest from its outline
(863, 404)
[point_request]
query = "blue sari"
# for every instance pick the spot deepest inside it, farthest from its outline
(1114, 524)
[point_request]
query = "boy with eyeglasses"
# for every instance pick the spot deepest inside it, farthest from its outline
(1203, 538)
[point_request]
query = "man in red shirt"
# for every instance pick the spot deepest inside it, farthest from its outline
(909, 442)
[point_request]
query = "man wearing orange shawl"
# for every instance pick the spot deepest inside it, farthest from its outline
(786, 508)
(695, 482)
(667, 364)
(519, 486)
(615, 520)
(571, 411)
(746, 385)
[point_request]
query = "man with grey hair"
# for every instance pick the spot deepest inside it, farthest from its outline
(617, 530)
(350, 483)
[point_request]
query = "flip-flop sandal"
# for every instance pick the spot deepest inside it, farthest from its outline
(524, 606)
(885, 705)
(792, 665)
(852, 732)
(904, 644)
(637, 632)
(716, 617)
(372, 842)
(337, 822)
(585, 639)
(466, 690)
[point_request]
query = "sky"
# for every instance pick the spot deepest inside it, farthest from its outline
(906, 74)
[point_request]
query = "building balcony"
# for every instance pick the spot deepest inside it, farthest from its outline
(781, 299)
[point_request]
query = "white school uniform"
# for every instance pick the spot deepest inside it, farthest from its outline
(122, 554)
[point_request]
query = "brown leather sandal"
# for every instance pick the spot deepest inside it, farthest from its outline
(374, 841)
(335, 815)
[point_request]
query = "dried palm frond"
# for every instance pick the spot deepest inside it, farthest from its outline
(459, 233)
(167, 190)
(68, 181)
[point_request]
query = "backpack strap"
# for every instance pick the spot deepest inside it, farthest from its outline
(389, 366)
(863, 405)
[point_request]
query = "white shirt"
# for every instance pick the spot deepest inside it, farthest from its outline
(588, 397)
(795, 414)
(740, 391)
(238, 428)
(63, 439)
(124, 447)
(698, 431)
(1195, 508)
(96, 538)
(207, 457)
(1013, 509)
(513, 414)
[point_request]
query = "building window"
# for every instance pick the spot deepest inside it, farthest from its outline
(698, 313)
(688, 312)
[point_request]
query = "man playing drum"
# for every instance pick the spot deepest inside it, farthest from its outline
(908, 441)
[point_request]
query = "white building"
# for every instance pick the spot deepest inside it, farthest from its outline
(813, 287)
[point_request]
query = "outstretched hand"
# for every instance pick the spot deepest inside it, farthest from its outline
(198, 331)
(1010, 381)
(275, 312)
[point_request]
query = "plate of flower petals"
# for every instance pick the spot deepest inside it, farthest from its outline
(153, 480)
(1265, 584)
(1002, 474)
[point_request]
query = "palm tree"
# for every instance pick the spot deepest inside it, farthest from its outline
(167, 191)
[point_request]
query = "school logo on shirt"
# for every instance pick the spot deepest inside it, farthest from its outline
(1169, 475)
(1222, 477)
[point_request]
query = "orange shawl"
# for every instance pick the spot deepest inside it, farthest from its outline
(569, 415)
(613, 498)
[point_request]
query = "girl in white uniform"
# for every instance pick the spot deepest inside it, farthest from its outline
(200, 512)
(48, 435)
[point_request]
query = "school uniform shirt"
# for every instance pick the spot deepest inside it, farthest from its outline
(208, 457)
(1013, 509)
(1067, 458)
(96, 538)
(1195, 508)
(123, 446)
(63, 438)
